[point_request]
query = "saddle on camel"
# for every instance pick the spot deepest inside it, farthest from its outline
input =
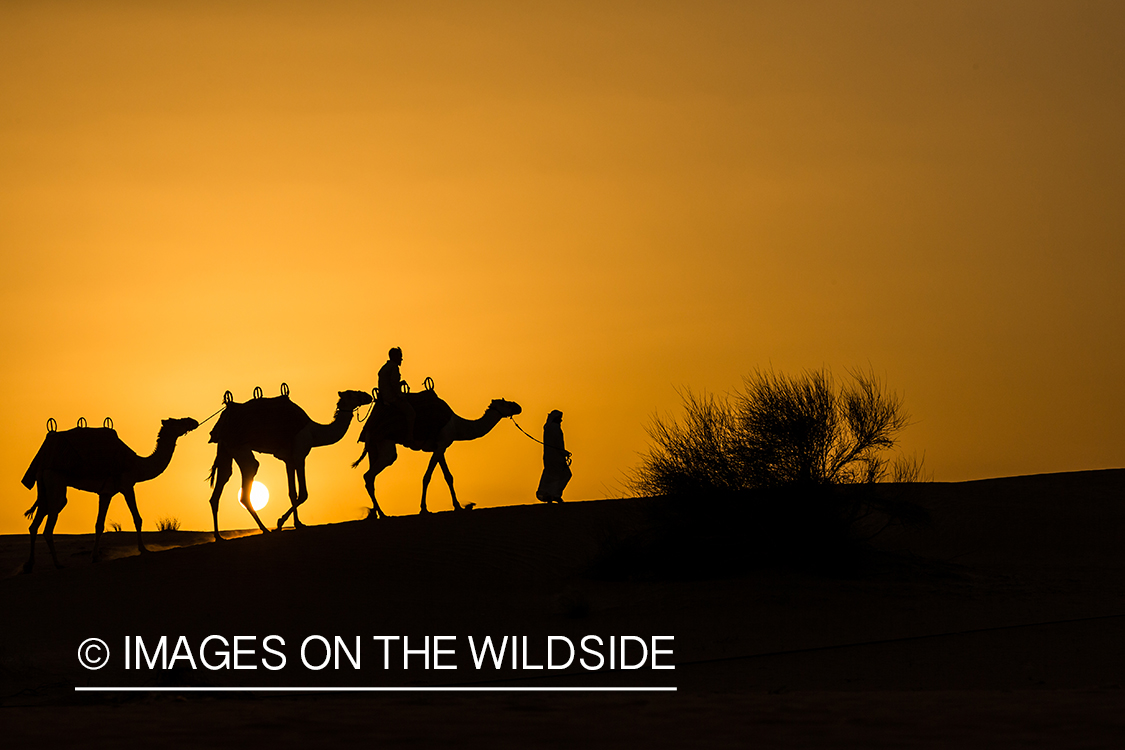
(430, 415)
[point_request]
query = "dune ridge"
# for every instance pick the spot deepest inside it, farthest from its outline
(1016, 584)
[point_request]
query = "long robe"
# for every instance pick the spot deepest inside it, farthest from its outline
(556, 472)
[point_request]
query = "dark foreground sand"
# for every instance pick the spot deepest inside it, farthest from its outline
(1001, 624)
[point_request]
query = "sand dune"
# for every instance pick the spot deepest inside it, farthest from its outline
(1000, 623)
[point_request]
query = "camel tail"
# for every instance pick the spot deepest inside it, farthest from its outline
(31, 511)
(214, 471)
(361, 457)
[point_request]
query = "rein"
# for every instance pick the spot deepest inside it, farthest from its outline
(374, 398)
(568, 454)
(205, 421)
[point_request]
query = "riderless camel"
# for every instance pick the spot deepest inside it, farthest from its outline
(281, 428)
(93, 459)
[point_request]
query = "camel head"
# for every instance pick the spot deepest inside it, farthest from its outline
(351, 400)
(504, 408)
(177, 428)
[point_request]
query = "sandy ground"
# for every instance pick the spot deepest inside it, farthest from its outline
(1000, 624)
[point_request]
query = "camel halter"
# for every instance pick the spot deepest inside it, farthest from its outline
(374, 397)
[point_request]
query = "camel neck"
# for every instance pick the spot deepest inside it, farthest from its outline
(334, 431)
(471, 429)
(154, 465)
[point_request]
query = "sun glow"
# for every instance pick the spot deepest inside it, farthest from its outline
(259, 495)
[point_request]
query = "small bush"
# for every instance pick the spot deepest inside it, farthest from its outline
(168, 523)
(114, 526)
(778, 431)
(778, 473)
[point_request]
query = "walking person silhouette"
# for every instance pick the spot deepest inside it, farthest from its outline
(556, 461)
(391, 395)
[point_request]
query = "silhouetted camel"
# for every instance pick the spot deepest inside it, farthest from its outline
(436, 427)
(93, 459)
(281, 428)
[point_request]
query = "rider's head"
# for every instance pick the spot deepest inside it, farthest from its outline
(395, 354)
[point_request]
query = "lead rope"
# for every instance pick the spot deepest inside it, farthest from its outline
(568, 454)
(205, 421)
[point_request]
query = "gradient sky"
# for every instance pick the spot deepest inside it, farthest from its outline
(573, 205)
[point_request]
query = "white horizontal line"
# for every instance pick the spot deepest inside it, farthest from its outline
(434, 689)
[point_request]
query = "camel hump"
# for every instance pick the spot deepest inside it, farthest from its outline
(242, 423)
(429, 408)
(100, 444)
(430, 415)
(81, 451)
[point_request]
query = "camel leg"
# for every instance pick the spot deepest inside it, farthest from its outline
(49, 535)
(302, 494)
(369, 484)
(248, 466)
(449, 480)
(50, 501)
(298, 493)
(221, 475)
(40, 514)
(383, 455)
(434, 458)
(130, 496)
(99, 525)
(291, 475)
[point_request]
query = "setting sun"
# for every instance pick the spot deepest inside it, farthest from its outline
(259, 495)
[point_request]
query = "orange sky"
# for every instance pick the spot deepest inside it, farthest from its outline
(575, 205)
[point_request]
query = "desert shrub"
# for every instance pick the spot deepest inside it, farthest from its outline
(780, 472)
(113, 525)
(168, 523)
(778, 431)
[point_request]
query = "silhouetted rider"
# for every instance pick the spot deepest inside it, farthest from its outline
(391, 395)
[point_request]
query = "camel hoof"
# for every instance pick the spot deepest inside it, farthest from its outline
(423, 512)
(280, 523)
(28, 567)
(219, 538)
